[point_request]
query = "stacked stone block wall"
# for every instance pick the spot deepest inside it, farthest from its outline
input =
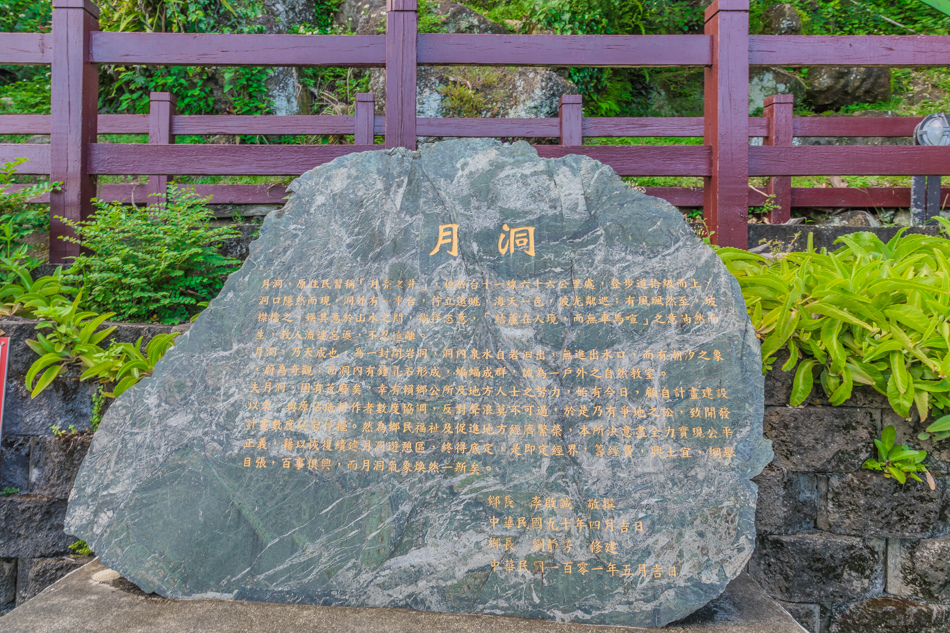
(34, 549)
(844, 549)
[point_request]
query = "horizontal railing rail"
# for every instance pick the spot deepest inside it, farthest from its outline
(603, 127)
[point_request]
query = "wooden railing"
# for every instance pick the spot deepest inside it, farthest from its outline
(75, 48)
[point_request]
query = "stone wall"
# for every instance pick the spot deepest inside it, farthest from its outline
(845, 550)
(33, 547)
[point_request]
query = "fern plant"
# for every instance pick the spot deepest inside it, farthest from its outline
(19, 218)
(151, 264)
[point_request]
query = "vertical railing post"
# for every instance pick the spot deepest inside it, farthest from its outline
(924, 200)
(401, 36)
(74, 102)
(726, 112)
(364, 119)
(161, 109)
(572, 120)
(779, 113)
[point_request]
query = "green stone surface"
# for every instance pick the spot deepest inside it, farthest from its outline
(172, 493)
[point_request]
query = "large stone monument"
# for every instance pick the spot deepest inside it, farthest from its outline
(462, 379)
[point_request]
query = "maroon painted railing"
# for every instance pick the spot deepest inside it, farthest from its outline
(75, 48)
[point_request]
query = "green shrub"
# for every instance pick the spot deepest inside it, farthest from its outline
(602, 88)
(151, 264)
(30, 93)
(847, 17)
(870, 313)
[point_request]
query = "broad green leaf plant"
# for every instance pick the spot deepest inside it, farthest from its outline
(21, 295)
(73, 340)
(898, 461)
(870, 313)
(125, 364)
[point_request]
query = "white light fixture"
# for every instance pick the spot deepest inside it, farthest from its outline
(933, 130)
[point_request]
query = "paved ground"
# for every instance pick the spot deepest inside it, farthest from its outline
(95, 600)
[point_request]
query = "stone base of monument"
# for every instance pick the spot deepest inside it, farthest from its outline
(94, 598)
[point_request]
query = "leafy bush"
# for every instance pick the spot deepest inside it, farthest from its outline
(153, 263)
(30, 93)
(845, 17)
(199, 90)
(870, 313)
(601, 88)
(25, 15)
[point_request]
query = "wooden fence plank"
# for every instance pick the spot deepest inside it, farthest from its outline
(461, 49)
(43, 123)
(37, 157)
(25, 123)
(852, 197)
(849, 50)
(897, 126)
(261, 124)
(363, 119)
(529, 128)
(293, 160)
(25, 49)
(640, 160)
(161, 110)
(778, 112)
(218, 49)
(123, 124)
(821, 160)
(401, 51)
(572, 117)
(214, 160)
(643, 126)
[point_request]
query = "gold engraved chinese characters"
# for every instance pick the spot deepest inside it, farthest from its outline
(448, 234)
(521, 237)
